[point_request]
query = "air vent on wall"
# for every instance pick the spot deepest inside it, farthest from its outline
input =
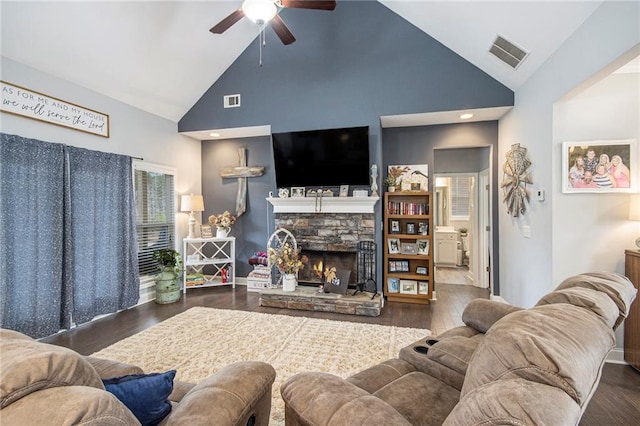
(508, 52)
(231, 101)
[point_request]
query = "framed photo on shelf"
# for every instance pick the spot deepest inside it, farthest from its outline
(423, 228)
(408, 287)
(411, 228)
(394, 226)
(403, 266)
(394, 245)
(423, 287)
(421, 270)
(392, 266)
(297, 191)
(393, 285)
(423, 246)
(206, 231)
(408, 248)
(344, 190)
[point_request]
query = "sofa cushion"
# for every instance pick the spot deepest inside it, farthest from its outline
(559, 345)
(380, 375)
(29, 366)
(146, 395)
(481, 314)
(595, 301)
(514, 402)
(616, 286)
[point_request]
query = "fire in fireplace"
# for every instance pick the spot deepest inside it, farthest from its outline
(316, 262)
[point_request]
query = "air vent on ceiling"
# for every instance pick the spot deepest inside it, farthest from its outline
(231, 101)
(508, 52)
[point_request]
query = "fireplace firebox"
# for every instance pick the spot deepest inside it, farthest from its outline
(317, 261)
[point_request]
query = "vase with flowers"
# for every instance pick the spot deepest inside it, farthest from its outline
(287, 260)
(223, 223)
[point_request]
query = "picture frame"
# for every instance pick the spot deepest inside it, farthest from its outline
(339, 284)
(423, 228)
(206, 231)
(403, 266)
(411, 228)
(394, 226)
(422, 270)
(392, 266)
(297, 191)
(423, 246)
(408, 248)
(408, 287)
(582, 171)
(393, 285)
(394, 245)
(423, 287)
(344, 190)
(407, 174)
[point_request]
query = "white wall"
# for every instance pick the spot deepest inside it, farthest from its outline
(527, 266)
(132, 131)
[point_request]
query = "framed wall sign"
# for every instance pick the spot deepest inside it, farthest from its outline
(599, 166)
(28, 103)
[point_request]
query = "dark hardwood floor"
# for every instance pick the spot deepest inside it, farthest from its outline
(616, 402)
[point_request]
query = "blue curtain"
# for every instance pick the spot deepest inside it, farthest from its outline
(68, 249)
(32, 299)
(102, 265)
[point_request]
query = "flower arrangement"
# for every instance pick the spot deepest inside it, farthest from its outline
(222, 221)
(286, 259)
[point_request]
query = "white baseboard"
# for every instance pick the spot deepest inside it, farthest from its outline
(616, 356)
(241, 280)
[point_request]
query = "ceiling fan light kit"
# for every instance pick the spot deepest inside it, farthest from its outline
(259, 11)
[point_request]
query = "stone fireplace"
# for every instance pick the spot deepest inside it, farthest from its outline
(327, 240)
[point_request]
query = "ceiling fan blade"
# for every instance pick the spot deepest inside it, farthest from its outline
(227, 22)
(281, 30)
(309, 4)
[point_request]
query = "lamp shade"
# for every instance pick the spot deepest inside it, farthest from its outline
(634, 207)
(192, 203)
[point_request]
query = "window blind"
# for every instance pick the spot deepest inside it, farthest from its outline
(460, 187)
(155, 207)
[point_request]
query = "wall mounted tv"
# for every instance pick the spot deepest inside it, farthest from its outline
(322, 158)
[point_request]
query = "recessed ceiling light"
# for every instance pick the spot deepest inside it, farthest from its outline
(215, 135)
(466, 116)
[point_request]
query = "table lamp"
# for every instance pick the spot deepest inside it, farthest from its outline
(192, 203)
(634, 211)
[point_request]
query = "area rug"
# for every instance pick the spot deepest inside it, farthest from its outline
(200, 341)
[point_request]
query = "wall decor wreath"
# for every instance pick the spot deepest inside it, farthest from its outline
(515, 179)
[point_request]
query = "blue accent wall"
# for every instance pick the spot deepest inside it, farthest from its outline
(347, 68)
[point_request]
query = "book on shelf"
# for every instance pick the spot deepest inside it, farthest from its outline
(407, 208)
(195, 279)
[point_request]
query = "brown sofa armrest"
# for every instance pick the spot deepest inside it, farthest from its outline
(108, 369)
(231, 396)
(314, 398)
(481, 314)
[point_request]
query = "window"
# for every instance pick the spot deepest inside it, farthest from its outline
(460, 193)
(156, 217)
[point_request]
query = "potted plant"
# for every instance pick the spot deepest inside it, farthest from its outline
(168, 280)
(391, 183)
(287, 260)
(223, 223)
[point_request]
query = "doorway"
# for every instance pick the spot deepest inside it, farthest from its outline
(462, 214)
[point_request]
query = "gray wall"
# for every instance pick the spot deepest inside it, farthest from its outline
(461, 160)
(347, 68)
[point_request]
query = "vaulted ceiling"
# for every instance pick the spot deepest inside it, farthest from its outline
(160, 57)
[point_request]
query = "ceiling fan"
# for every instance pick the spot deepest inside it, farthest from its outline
(264, 12)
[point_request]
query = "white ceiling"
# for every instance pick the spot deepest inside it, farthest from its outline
(160, 57)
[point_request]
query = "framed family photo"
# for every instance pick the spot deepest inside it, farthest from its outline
(394, 245)
(599, 166)
(393, 285)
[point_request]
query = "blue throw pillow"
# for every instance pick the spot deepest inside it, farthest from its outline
(144, 394)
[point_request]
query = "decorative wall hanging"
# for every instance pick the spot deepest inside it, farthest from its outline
(242, 172)
(38, 106)
(515, 180)
(599, 166)
(409, 177)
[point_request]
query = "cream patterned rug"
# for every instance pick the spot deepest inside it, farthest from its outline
(200, 341)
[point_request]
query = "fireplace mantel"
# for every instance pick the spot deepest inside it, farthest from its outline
(326, 205)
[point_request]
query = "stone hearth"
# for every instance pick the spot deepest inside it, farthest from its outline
(308, 299)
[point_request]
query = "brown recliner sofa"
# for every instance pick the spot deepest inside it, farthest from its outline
(506, 365)
(43, 384)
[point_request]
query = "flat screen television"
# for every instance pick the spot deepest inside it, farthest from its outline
(322, 158)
